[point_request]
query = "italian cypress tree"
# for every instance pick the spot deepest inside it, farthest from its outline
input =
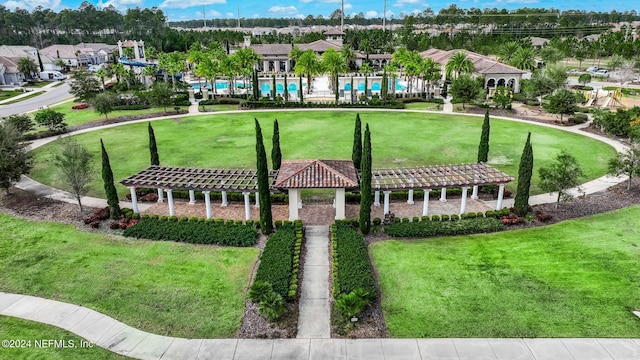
(385, 85)
(255, 86)
(351, 91)
(286, 90)
(153, 148)
(356, 154)
(273, 91)
(276, 154)
(525, 170)
(483, 148)
(109, 187)
(266, 219)
(365, 184)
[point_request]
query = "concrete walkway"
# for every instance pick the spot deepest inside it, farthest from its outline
(315, 315)
(120, 338)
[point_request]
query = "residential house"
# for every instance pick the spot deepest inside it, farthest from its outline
(82, 54)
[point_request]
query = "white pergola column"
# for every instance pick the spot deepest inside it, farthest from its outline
(224, 199)
(474, 194)
(340, 207)
(172, 210)
(134, 199)
(160, 195)
(386, 202)
(410, 199)
(443, 195)
(463, 200)
(376, 198)
(500, 196)
(207, 203)
(257, 199)
(425, 205)
(293, 204)
(247, 206)
(192, 197)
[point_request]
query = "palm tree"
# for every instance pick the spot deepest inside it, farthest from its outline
(246, 60)
(430, 71)
(229, 68)
(27, 66)
(118, 70)
(210, 66)
(101, 74)
(150, 52)
(150, 72)
(60, 63)
(195, 56)
(295, 54)
(309, 65)
(507, 51)
(173, 64)
(524, 59)
(458, 64)
(366, 70)
(334, 64)
(348, 54)
(411, 61)
(393, 69)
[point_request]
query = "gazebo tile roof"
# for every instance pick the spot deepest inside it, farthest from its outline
(317, 174)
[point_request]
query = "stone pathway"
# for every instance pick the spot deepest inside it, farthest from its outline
(314, 317)
(120, 338)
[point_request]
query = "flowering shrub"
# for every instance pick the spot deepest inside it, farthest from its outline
(80, 106)
(542, 217)
(96, 217)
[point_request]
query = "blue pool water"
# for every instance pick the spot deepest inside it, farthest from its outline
(220, 85)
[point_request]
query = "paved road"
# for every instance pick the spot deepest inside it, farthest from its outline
(51, 96)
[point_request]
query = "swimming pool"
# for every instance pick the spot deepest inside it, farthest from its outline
(220, 85)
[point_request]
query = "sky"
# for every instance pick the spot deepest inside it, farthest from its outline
(177, 10)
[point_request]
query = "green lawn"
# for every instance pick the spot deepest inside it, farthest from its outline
(574, 279)
(18, 329)
(399, 139)
(16, 93)
(162, 287)
(423, 106)
(77, 117)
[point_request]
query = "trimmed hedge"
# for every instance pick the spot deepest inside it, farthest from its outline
(132, 107)
(351, 268)
(276, 261)
(193, 231)
(295, 104)
(444, 228)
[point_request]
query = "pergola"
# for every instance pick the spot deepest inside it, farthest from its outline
(437, 176)
(340, 175)
(167, 179)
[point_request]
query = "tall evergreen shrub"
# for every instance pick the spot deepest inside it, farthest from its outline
(356, 154)
(483, 148)
(266, 218)
(109, 187)
(153, 148)
(276, 154)
(525, 171)
(365, 184)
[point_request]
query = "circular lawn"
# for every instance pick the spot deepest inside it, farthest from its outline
(399, 139)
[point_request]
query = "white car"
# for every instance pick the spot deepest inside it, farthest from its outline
(602, 72)
(592, 69)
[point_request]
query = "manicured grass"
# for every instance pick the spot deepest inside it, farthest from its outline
(32, 94)
(422, 106)
(18, 329)
(40, 84)
(77, 117)
(162, 287)
(6, 94)
(574, 279)
(399, 139)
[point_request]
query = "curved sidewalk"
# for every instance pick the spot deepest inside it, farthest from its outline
(120, 338)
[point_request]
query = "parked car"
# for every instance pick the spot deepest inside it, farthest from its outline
(592, 69)
(52, 75)
(602, 72)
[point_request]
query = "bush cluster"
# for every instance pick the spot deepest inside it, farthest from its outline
(132, 107)
(444, 227)
(193, 230)
(277, 260)
(351, 268)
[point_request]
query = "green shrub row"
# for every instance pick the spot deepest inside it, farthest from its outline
(295, 104)
(193, 230)
(132, 107)
(351, 268)
(444, 228)
(276, 261)
(297, 249)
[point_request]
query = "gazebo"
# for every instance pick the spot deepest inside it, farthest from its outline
(296, 175)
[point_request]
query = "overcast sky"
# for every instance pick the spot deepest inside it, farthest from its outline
(177, 10)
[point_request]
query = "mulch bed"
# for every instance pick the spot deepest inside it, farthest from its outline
(122, 119)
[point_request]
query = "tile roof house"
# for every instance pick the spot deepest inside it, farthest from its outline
(494, 72)
(12, 55)
(81, 54)
(9, 74)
